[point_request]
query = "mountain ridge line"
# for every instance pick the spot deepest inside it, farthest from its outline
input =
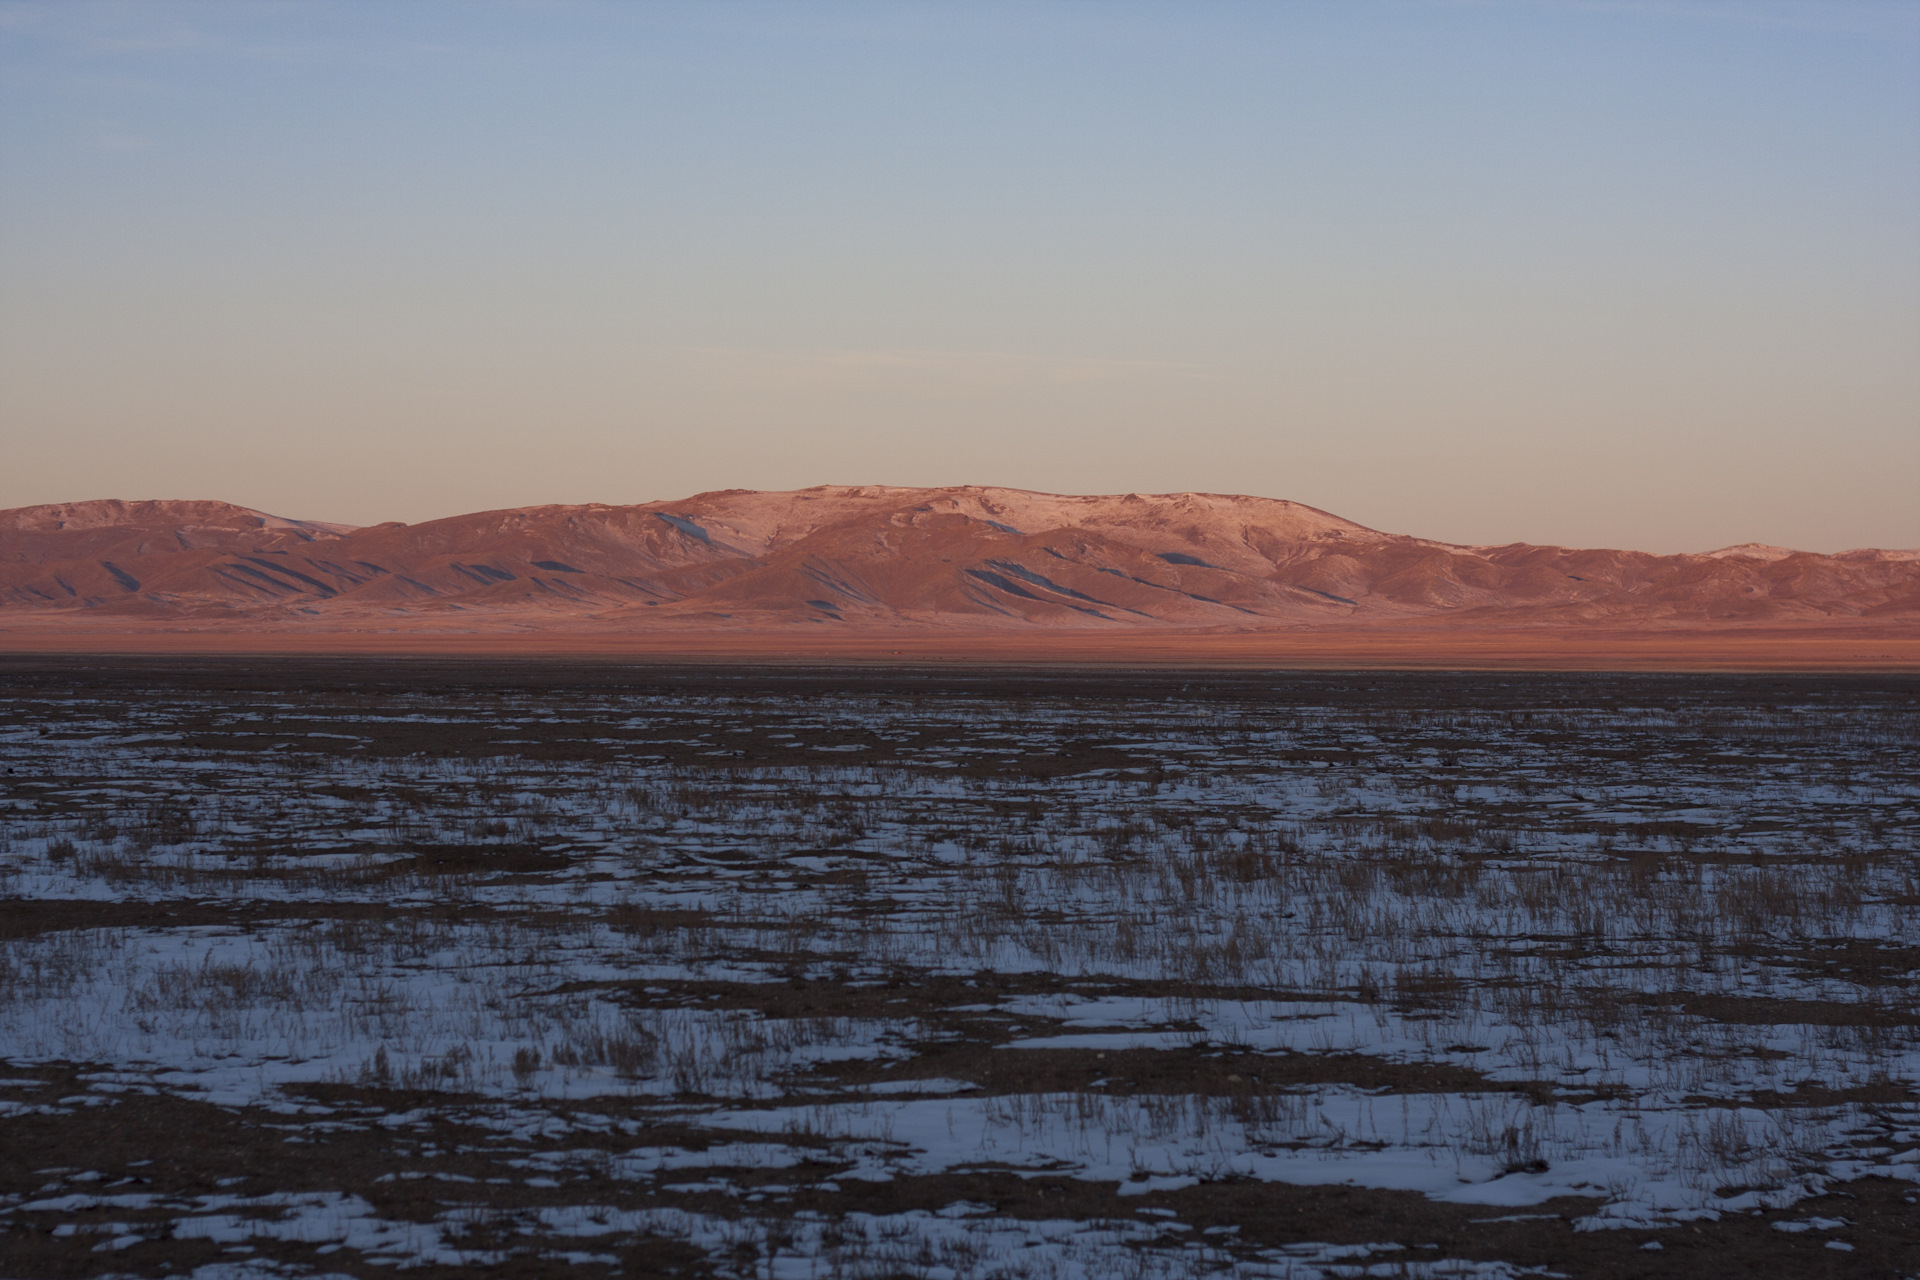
(893, 558)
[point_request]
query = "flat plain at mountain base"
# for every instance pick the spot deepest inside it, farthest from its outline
(335, 968)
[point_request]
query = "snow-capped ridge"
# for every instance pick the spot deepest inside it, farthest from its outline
(1752, 551)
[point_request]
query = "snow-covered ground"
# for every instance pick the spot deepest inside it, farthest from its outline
(711, 967)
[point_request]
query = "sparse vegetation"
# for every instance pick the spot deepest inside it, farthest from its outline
(720, 971)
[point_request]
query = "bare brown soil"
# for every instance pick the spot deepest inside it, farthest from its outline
(1852, 647)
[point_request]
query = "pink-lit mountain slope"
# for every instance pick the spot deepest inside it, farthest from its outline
(887, 557)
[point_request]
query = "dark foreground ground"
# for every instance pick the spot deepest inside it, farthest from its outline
(338, 968)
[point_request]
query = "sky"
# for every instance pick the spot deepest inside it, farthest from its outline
(1601, 274)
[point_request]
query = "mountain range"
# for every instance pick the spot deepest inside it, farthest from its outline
(872, 557)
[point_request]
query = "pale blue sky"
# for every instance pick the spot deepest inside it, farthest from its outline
(1605, 274)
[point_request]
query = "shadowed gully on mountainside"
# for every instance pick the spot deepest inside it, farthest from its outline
(893, 558)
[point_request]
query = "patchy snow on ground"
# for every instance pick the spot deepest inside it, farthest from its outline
(1669, 974)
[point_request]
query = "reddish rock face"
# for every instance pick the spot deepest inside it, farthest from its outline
(838, 557)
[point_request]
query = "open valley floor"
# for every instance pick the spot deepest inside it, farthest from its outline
(490, 967)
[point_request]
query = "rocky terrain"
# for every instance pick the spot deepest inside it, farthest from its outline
(894, 558)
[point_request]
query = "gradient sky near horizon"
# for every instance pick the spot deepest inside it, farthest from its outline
(1620, 274)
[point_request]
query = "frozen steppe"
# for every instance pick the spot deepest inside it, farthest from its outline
(312, 969)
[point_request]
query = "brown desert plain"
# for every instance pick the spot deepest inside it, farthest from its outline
(904, 575)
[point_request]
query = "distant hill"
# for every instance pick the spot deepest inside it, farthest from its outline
(877, 557)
